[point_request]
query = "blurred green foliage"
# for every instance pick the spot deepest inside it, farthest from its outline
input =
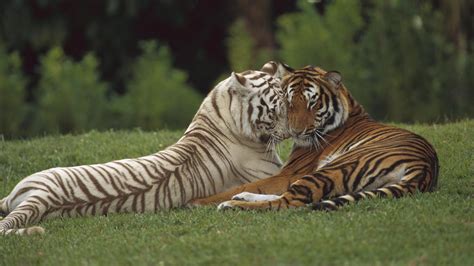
(65, 67)
(12, 93)
(158, 95)
(409, 71)
(307, 38)
(242, 51)
(71, 97)
(399, 64)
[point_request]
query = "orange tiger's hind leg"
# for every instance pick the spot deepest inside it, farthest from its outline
(423, 179)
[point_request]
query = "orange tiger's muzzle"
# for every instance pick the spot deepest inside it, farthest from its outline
(300, 119)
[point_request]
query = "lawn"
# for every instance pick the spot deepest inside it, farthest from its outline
(425, 229)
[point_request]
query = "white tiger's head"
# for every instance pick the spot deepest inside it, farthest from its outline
(260, 112)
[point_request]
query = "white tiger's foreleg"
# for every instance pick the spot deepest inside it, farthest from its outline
(29, 211)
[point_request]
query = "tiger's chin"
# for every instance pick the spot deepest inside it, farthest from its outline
(273, 138)
(309, 140)
(304, 141)
(264, 138)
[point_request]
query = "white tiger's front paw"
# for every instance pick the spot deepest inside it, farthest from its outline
(252, 197)
(226, 205)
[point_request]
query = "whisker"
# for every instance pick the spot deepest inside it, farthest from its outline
(325, 134)
(315, 143)
(269, 146)
(272, 145)
(321, 136)
(277, 147)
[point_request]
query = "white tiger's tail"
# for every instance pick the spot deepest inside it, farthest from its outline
(3, 208)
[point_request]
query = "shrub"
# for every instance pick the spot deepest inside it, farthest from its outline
(12, 93)
(157, 95)
(71, 97)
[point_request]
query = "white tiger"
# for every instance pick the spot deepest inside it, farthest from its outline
(225, 145)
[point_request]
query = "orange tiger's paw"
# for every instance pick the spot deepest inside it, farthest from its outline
(252, 197)
(228, 205)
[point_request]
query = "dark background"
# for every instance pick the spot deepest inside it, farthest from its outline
(405, 61)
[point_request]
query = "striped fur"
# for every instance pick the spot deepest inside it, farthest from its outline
(225, 145)
(341, 155)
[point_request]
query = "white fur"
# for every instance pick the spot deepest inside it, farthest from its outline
(252, 197)
(328, 159)
(169, 178)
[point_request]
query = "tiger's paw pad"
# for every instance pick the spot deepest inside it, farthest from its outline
(252, 197)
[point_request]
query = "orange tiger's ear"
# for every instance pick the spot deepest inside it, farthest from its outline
(277, 69)
(270, 67)
(333, 77)
(286, 69)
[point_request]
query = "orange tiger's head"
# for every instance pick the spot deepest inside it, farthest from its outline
(317, 103)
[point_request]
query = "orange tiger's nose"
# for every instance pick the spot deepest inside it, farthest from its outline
(295, 132)
(299, 117)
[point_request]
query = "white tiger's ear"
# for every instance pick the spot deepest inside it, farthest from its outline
(276, 69)
(239, 79)
(334, 78)
(238, 82)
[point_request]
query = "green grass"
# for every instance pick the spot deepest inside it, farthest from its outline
(426, 229)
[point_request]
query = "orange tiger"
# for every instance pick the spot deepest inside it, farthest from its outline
(340, 155)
